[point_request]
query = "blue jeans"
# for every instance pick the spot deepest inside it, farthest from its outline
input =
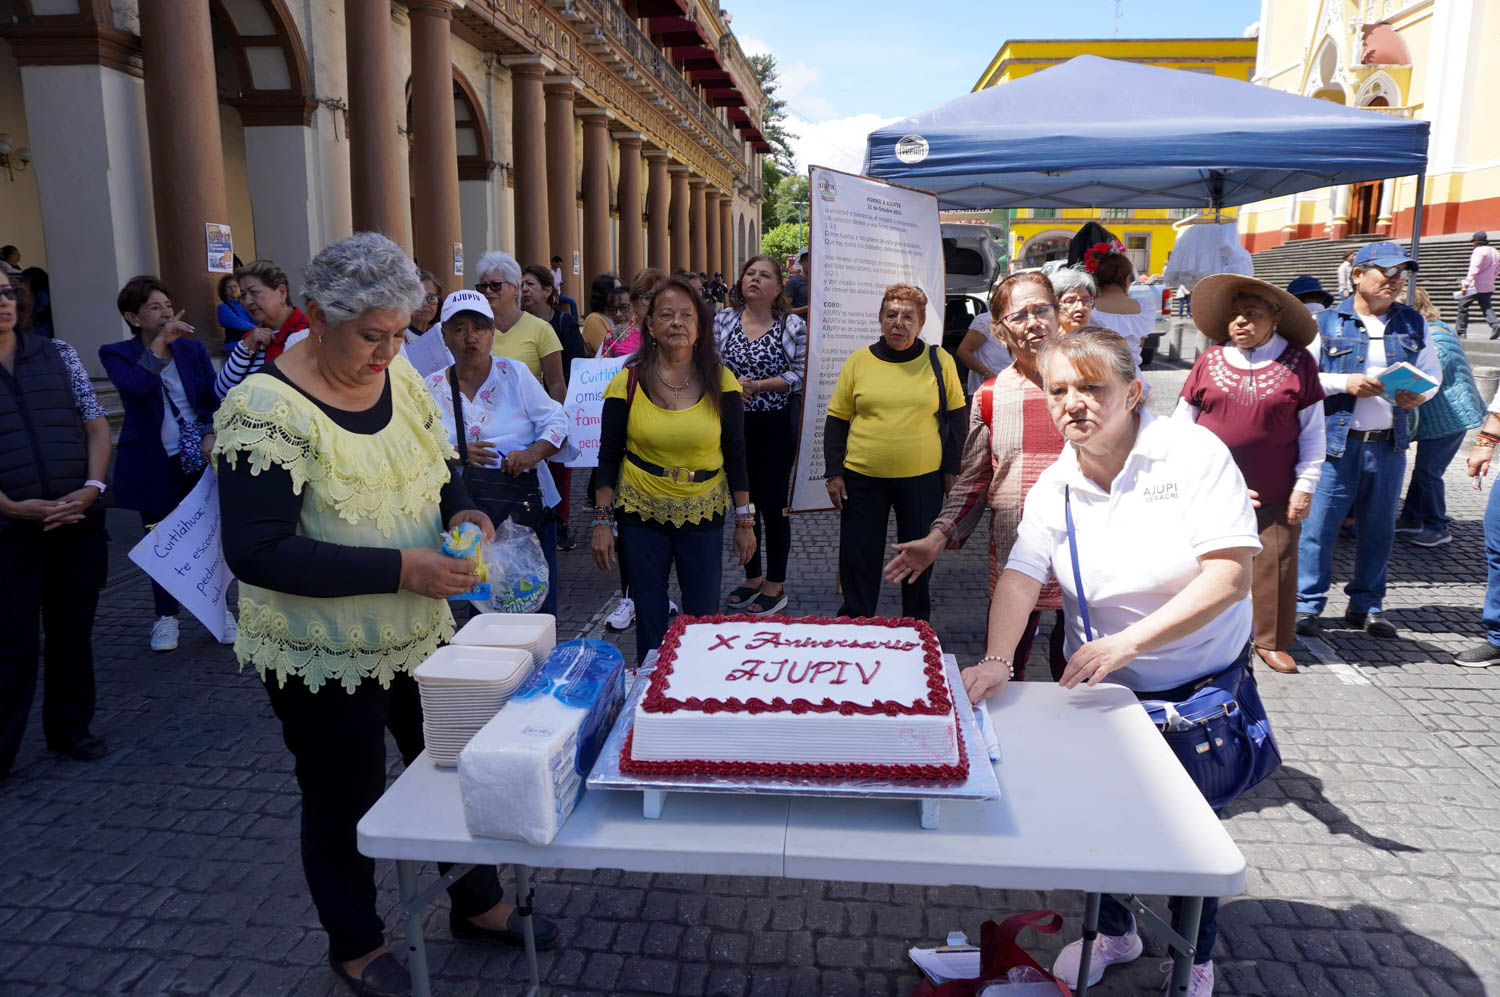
(1492, 562)
(1426, 503)
(1367, 479)
(696, 550)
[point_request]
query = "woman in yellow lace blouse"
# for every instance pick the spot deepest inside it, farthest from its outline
(334, 490)
(671, 451)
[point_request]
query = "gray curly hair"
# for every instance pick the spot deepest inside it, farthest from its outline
(501, 265)
(1067, 279)
(359, 274)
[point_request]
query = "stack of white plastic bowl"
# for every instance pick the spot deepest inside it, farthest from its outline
(462, 689)
(532, 632)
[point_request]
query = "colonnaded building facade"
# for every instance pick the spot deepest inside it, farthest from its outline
(611, 134)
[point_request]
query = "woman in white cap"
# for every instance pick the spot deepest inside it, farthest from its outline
(1257, 390)
(502, 423)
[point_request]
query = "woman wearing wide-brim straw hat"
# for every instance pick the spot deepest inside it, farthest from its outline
(1257, 390)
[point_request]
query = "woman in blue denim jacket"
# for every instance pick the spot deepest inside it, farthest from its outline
(1439, 432)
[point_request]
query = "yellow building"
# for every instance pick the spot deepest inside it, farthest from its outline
(1041, 234)
(1435, 60)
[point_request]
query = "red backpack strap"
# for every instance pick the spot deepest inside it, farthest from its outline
(987, 404)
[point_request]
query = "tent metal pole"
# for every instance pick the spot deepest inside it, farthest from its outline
(1416, 235)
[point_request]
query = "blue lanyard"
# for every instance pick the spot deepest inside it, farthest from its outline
(1083, 603)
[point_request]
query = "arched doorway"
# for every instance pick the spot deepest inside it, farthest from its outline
(1044, 247)
(1364, 198)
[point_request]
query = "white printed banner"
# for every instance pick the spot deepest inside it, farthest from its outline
(584, 403)
(865, 236)
(183, 555)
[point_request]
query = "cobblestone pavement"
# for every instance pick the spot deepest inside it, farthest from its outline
(172, 865)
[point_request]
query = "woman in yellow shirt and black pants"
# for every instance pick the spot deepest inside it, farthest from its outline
(891, 441)
(671, 452)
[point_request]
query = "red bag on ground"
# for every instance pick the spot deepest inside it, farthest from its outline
(999, 953)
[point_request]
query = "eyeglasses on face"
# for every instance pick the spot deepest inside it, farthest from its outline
(1074, 301)
(9, 293)
(1043, 311)
(489, 286)
(1396, 271)
(430, 299)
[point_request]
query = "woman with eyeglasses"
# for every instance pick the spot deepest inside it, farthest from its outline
(1011, 441)
(891, 442)
(265, 292)
(426, 313)
(519, 335)
(671, 455)
(1076, 293)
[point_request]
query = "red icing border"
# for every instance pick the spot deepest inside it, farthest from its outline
(939, 702)
(837, 770)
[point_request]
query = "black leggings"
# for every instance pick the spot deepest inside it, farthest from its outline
(769, 449)
(337, 740)
(862, 526)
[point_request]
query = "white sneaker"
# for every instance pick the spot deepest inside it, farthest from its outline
(623, 615)
(1108, 950)
(1200, 984)
(231, 628)
(164, 634)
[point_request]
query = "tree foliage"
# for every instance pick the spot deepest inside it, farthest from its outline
(791, 199)
(773, 112)
(783, 240)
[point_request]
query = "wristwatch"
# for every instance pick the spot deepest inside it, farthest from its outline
(748, 509)
(97, 484)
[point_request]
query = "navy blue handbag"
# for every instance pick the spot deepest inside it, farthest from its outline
(1220, 732)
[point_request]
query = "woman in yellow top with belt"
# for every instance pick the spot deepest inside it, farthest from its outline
(671, 452)
(891, 440)
(334, 491)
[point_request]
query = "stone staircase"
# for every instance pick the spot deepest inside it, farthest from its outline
(1444, 260)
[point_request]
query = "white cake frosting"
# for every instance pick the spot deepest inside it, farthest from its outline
(801, 693)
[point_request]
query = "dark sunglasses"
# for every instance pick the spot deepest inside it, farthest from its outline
(489, 286)
(9, 293)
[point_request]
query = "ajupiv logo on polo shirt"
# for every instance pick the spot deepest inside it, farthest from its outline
(1161, 492)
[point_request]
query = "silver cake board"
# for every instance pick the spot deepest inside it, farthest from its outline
(981, 783)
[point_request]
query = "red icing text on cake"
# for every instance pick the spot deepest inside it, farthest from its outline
(797, 672)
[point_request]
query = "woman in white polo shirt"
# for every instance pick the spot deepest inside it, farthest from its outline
(1165, 534)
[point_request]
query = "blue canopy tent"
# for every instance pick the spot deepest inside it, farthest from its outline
(1097, 133)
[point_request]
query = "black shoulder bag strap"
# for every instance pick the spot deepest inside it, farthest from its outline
(937, 372)
(458, 417)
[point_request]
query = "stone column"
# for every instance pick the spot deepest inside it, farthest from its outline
(378, 201)
(698, 225)
(682, 247)
(596, 229)
(562, 185)
(726, 238)
(1384, 221)
(629, 198)
(533, 239)
(659, 202)
(711, 232)
(435, 167)
(187, 157)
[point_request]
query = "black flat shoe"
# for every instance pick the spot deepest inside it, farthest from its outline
(740, 597)
(1308, 625)
(542, 929)
(87, 748)
(1374, 624)
(383, 977)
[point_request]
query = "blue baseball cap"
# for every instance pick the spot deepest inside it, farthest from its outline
(1383, 254)
(1308, 284)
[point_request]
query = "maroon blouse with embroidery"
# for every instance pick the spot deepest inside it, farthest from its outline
(1255, 413)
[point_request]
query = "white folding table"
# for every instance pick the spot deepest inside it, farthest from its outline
(1091, 800)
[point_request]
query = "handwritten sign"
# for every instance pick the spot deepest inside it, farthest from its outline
(584, 404)
(183, 555)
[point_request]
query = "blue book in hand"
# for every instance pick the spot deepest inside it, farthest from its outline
(1404, 377)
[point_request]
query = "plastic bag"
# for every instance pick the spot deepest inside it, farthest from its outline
(517, 571)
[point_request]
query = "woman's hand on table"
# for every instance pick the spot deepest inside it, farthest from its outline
(1096, 659)
(434, 574)
(479, 519)
(837, 493)
(744, 543)
(481, 454)
(602, 546)
(914, 557)
(984, 679)
(1297, 507)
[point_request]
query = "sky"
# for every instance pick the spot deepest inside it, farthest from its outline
(848, 68)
